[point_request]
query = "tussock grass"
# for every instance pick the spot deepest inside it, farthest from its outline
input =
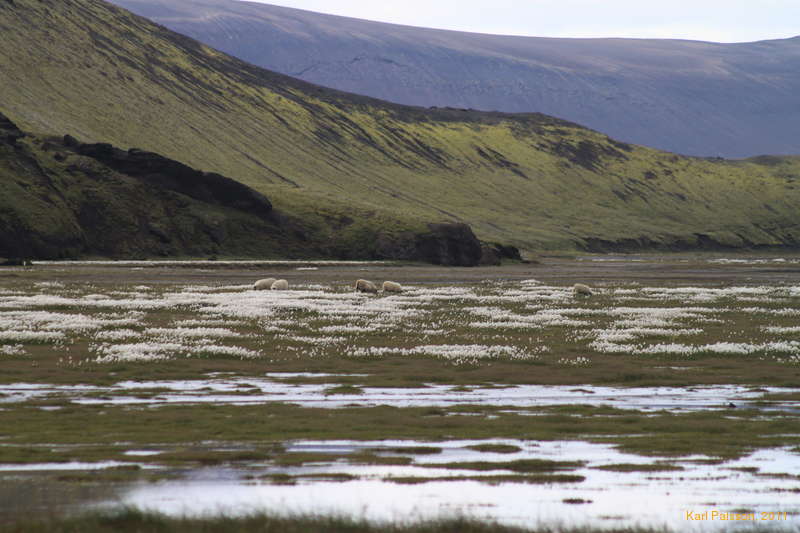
(537, 479)
(495, 448)
(520, 465)
(135, 521)
(629, 467)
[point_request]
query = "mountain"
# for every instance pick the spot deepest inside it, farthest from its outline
(371, 178)
(688, 97)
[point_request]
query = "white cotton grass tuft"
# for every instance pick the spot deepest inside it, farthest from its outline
(574, 361)
(27, 336)
(777, 330)
(458, 353)
(196, 333)
(209, 323)
(12, 349)
(117, 335)
(307, 339)
(162, 351)
(65, 322)
(722, 348)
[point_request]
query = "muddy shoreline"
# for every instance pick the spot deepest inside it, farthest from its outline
(671, 268)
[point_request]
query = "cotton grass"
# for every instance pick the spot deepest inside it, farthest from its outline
(477, 323)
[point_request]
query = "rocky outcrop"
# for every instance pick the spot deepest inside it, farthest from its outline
(783, 239)
(172, 175)
(493, 254)
(452, 244)
(446, 244)
(65, 199)
(9, 132)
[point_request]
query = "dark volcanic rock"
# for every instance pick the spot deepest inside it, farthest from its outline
(451, 244)
(174, 176)
(489, 256)
(681, 243)
(14, 261)
(494, 254)
(507, 252)
(66, 200)
(70, 142)
(448, 244)
(9, 132)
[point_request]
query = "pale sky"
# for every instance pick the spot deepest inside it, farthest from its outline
(707, 20)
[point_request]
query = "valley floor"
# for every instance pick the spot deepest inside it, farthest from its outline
(484, 398)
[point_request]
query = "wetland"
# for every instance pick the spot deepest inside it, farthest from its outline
(494, 395)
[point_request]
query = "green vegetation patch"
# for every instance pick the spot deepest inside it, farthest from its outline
(334, 477)
(194, 456)
(633, 467)
(343, 389)
(538, 479)
(495, 448)
(303, 458)
(36, 432)
(130, 520)
(519, 465)
(408, 450)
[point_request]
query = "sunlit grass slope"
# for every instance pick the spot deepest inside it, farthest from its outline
(100, 73)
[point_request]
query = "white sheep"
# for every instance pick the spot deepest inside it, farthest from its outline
(391, 286)
(363, 285)
(264, 284)
(280, 285)
(582, 290)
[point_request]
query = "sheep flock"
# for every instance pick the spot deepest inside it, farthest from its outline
(366, 286)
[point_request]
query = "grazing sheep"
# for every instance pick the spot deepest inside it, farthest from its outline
(391, 286)
(264, 284)
(280, 285)
(582, 290)
(363, 285)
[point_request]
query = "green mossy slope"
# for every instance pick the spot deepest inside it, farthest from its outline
(102, 74)
(56, 203)
(63, 199)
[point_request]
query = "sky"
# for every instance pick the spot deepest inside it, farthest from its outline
(706, 20)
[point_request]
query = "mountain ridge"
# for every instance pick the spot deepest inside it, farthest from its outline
(691, 97)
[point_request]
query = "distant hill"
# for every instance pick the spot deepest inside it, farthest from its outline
(355, 176)
(688, 97)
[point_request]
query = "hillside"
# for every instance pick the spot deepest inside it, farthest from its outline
(369, 168)
(688, 97)
(63, 199)
(59, 200)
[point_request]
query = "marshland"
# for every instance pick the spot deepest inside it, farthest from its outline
(494, 397)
